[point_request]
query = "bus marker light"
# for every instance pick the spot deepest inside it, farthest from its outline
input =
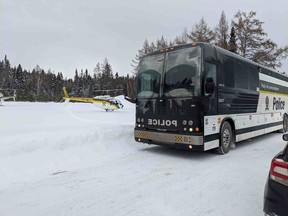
(190, 146)
(219, 120)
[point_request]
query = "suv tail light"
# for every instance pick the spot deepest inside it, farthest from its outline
(279, 171)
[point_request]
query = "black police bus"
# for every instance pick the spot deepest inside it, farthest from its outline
(201, 97)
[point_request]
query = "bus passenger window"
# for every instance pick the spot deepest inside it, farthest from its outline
(211, 71)
(253, 78)
(241, 75)
(228, 72)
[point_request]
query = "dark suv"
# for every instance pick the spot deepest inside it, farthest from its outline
(276, 189)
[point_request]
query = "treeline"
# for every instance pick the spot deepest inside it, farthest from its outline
(245, 36)
(40, 85)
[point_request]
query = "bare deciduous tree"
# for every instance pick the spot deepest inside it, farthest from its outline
(201, 32)
(253, 43)
(221, 32)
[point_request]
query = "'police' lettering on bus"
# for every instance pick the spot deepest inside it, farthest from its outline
(278, 104)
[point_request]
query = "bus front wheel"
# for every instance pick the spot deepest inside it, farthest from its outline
(226, 138)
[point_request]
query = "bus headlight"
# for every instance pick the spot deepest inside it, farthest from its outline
(190, 122)
(190, 129)
(184, 122)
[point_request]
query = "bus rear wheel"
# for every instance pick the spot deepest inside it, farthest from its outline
(226, 138)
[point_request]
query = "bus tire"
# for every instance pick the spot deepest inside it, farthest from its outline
(226, 138)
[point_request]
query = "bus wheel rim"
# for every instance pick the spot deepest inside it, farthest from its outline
(226, 138)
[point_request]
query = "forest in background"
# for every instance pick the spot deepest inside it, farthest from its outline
(38, 85)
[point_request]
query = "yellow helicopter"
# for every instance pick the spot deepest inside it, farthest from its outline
(105, 102)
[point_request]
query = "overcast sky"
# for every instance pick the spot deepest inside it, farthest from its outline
(67, 34)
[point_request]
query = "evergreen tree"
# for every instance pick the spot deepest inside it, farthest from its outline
(59, 86)
(76, 83)
(6, 62)
(87, 84)
(19, 77)
(2, 75)
(53, 87)
(8, 78)
(96, 77)
(106, 75)
(97, 71)
(232, 41)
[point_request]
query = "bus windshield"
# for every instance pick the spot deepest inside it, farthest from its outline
(176, 74)
(182, 74)
(150, 69)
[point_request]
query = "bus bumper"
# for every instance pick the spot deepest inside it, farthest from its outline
(181, 141)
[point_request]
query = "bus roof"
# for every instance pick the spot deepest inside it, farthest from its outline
(206, 45)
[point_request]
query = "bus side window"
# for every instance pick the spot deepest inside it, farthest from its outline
(211, 71)
(241, 74)
(253, 78)
(228, 72)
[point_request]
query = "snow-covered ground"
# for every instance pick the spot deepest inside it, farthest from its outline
(74, 159)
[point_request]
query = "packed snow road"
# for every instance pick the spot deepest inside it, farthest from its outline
(74, 159)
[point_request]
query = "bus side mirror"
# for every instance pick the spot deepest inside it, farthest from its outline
(209, 85)
(126, 97)
(131, 100)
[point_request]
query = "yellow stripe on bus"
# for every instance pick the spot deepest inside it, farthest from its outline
(273, 93)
